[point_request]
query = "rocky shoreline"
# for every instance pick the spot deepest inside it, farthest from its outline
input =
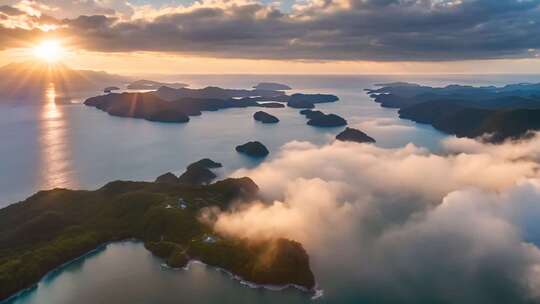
(316, 292)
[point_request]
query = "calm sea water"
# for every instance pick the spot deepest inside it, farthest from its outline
(75, 146)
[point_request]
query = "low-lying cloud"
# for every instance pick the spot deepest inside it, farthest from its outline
(405, 224)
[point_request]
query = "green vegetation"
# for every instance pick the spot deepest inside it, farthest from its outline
(495, 113)
(175, 105)
(495, 125)
(53, 227)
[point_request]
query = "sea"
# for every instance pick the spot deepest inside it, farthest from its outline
(73, 146)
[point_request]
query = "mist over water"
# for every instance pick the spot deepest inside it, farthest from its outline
(81, 147)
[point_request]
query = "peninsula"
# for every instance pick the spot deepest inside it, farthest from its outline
(493, 113)
(53, 227)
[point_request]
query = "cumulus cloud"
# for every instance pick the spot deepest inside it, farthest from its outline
(24, 22)
(383, 30)
(26, 16)
(17, 29)
(71, 9)
(370, 30)
(514, 150)
(405, 224)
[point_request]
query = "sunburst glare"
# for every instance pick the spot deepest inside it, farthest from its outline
(49, 50)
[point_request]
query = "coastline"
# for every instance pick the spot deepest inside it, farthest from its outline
(55, 270)
(315, 292)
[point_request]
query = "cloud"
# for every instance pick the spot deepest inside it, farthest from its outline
(515, 150)
(25, 18)
(405, 224)
(61, 9)
(350, 30)
(25, 21)
(386, 125)
(469, 249)
(10, 11)
(17, 28)
(380, 30)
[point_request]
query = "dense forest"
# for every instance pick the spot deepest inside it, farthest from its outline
(496, 113)
(53, 227)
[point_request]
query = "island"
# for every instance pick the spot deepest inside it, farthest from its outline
(308, 101)
(172, 94)
(273, 86)
(167, 178)
(314, 98)
(297, 98)
(142, 105)
(206, 163)
(320, 119)
(170, 105)
(271, 105)
(53, 227)
(253, 149)
(199, 173)
(327, 120)
(309, 114)
(248, 96)
(491, 113)
(463, 121)
(265, 117)
(354, 135)
(300, 104)
(110, 89)
(144, 84)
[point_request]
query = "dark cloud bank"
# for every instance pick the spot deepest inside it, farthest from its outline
(385, 30)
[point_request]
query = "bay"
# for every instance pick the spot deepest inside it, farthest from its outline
(75, 146)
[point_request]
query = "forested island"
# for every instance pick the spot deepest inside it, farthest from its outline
(176, 105)
(197, 173)
(144, 84)
(354, 135)
(272, 86)
(53, 227)
(265, 117)
(495, 113)
(253, 149)
(320, 119)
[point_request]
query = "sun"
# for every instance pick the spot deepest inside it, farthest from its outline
(49, 50)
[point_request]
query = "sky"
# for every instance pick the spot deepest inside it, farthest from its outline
(279, 37)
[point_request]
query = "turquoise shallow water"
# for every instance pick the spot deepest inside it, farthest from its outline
(80, 147)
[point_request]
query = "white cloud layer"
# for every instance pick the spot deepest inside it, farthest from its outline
(406, 224)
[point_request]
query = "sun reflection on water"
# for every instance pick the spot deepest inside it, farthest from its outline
(55, 159)
(50, 110)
